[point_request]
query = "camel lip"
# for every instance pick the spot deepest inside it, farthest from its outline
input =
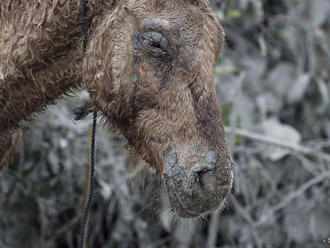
(203, 206)
(179, 209)
(182, 211)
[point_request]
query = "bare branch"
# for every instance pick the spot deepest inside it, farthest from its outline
(213, 230)
(248, 218)
(293, 195)
(277, 142)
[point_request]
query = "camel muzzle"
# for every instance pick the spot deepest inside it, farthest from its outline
(197, 186)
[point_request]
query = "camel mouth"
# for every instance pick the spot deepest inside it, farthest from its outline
(177, 205)
(198, 189)
(195, 206)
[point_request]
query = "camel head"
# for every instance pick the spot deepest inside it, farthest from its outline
(149, 69)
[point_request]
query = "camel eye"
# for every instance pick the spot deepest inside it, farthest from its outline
(154, 43)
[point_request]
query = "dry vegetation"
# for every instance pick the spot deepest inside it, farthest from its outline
(273, 82)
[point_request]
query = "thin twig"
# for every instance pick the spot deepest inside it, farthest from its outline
(292, 196)
(278, 142)
(248, 218)
(213, 229)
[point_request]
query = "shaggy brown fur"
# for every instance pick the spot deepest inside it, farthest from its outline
(40, 55)
(149, 69)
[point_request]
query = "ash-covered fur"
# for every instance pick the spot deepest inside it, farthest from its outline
(41, 54)
(149, 69)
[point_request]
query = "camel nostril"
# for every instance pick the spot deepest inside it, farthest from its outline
(208, 164)
(206, 175)
(203, 167)
(198, 172)
(203, 173)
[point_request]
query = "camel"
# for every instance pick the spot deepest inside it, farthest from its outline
(149, 69)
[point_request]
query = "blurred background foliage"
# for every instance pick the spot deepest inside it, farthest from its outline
(272, 79)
